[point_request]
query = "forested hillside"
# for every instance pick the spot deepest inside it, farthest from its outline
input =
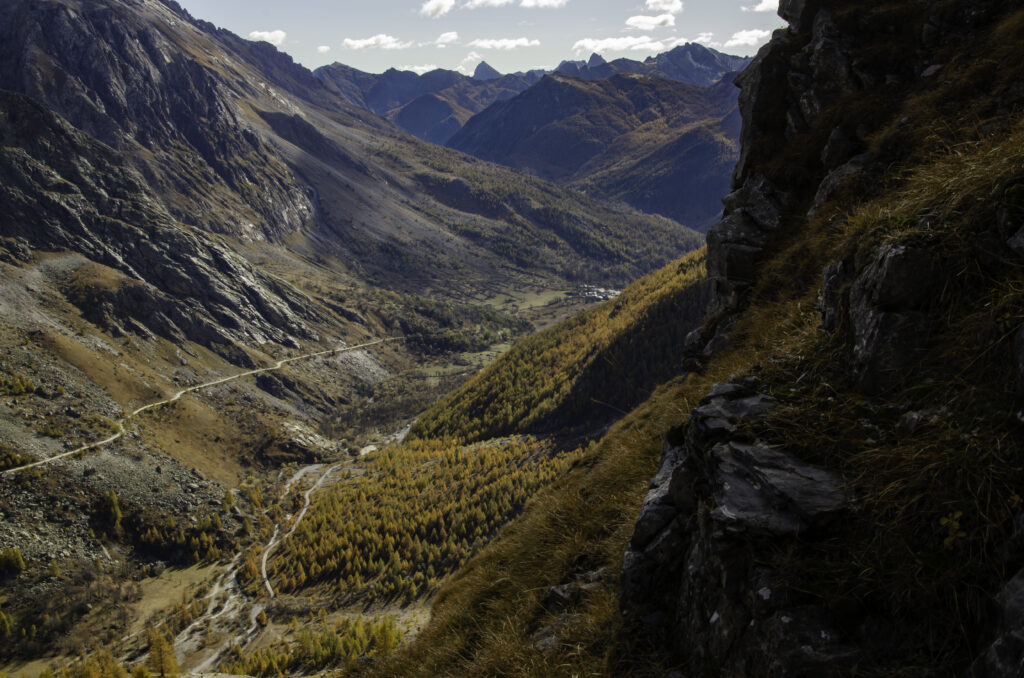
(584, 372)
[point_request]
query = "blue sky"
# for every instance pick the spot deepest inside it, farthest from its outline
(511, 35)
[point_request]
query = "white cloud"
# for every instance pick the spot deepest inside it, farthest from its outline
(474, 4)
(446, 38)
(323, 49)
(472, 59)
(436, 8)
(670, 6)
(763, 6)
(379, 41)
(419, 70)
(707, 39)
(545, 4)
(649, 23)
(275, 38)
(503, 43)
(621, 44)
(747, 38)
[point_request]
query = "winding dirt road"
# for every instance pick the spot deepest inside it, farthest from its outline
(121, 422)
(276, 539)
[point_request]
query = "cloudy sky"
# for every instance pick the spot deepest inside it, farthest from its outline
(511, 35)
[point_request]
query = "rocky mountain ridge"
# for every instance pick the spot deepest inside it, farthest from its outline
(435, 105)
(691, 63)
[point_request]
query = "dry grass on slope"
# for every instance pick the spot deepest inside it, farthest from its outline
(488, 619)
(936, 463)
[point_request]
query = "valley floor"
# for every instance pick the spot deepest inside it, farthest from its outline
(180, 482)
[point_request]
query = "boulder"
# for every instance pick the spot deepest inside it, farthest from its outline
(566, 595)
(838, 149)
(763, 491)
(886, 314)
(836, 180)
(758, 200)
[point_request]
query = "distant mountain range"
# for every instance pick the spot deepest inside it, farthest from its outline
(435, 105)
(660, 145)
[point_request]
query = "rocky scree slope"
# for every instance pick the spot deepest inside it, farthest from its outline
(662, 146)
(63, 190)
(854, 509)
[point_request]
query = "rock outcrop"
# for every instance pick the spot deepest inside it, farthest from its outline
(1004, 657)
(885, 307)
(696, 580)
(61, 190)
(691, 576)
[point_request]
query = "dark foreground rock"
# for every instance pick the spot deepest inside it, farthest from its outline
(693, 575)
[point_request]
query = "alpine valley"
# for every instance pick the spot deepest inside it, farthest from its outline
(692, 366)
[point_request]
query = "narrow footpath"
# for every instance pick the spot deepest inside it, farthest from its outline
(121, 422)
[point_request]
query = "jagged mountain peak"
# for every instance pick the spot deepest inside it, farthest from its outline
(485, 71)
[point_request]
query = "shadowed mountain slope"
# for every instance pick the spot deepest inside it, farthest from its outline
(661, 146)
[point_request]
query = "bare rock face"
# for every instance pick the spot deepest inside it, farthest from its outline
(885, 309)
(887, 301)
(735, 243)
(788, 93)
(61, 190)
(797, 12)
(691, 573)
(115, 76)
(1003, 657)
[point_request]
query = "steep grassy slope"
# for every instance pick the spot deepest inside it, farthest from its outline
(930, 460)
(584, 372)
(662, 146)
